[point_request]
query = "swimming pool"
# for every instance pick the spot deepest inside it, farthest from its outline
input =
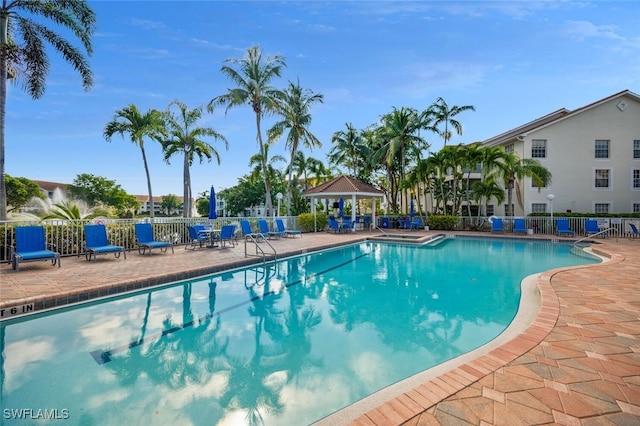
(285, 344)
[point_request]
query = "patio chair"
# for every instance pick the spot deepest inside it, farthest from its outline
(634, 231)
(367, 222)
(591, 228)
(246, 230)
(415, 223)
(31, 245)
(287, 232)
(264, 228)
(496, 225)
(334, 225)
(196, 239)
(348, 225)
(519, 226)
(97, 243)
(227, 234)
(562, 227)
(144, 235)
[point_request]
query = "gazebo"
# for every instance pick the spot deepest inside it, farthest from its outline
(346, 187)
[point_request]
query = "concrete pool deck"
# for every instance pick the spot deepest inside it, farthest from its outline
(577, 363)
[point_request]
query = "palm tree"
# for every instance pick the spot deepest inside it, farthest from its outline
(513, 169)
(294, 107)
(399, 135)
(69, 210)
(184, 136)
(256, 161)
(138, 126)
(442, 114)
(485, 190)
(348, 149)
(471, 158)
(23, 54)
(438, 164)
(253, 81)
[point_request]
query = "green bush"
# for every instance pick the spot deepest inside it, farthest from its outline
(306, 221)
(442, 222)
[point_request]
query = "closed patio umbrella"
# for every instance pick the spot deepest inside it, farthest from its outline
(341, 207)
(412, 213)
(212, 204)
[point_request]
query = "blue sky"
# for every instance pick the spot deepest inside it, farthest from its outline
(513, 61)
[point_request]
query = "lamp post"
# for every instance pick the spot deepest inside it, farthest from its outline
(279, 197)
(551, 197)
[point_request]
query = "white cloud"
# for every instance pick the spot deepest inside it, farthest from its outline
(581, 30)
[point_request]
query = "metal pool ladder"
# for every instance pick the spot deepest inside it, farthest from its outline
(252, 239)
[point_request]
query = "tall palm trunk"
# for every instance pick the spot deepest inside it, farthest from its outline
(289, 195)
(186, 189)
(146, 170)
(512, 181)
(4, 21)
(3, 103)
(265, 171)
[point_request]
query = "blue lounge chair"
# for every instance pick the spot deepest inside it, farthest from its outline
(97, 243)
(31, 245)
(634, 231)
(144, 235)
(591, 227)
(196, 239)
(246, 230)
(519, 226)
(496, 225)
(334, 225)
(287, 232)
(562, 227)
(227, 234)
(264, 228)
(415, 223)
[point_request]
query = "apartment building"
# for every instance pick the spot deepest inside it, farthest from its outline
(592, 152)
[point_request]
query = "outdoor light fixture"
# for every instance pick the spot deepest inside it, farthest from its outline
(551, 197)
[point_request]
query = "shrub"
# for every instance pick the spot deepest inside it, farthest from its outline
(442, 222)
(306, 221)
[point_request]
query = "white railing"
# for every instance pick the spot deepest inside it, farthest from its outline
(67, 236)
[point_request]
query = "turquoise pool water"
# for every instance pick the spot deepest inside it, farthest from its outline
(284, 344)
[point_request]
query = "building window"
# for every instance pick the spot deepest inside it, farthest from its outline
(601, 208)
(636, 208)
(538, 208)
(602, 149)
(508, 148)
(602, 178)
(636, 178)
(533, 184)
(508, 212)
(490, 210)
(636, 148)
(539, 148)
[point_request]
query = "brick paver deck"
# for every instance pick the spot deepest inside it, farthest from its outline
(578, 363)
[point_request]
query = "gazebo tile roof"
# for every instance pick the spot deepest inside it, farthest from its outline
(343, 184)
